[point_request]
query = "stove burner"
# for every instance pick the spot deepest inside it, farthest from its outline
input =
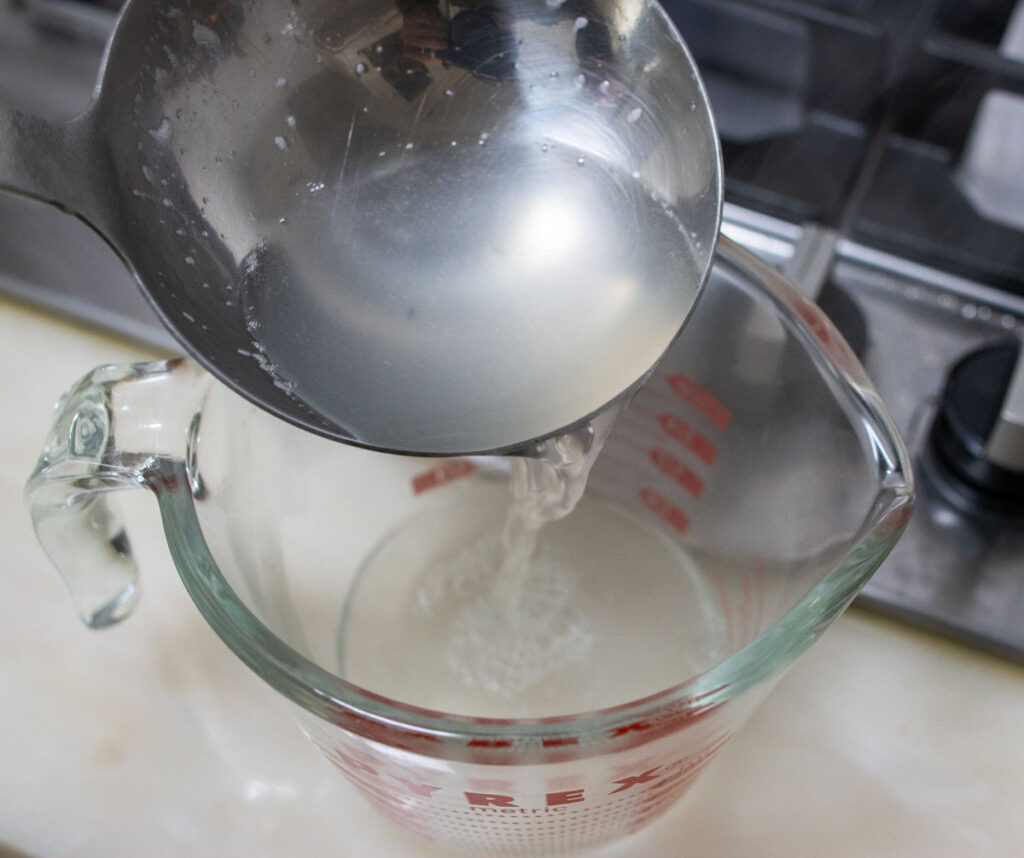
(975, 441)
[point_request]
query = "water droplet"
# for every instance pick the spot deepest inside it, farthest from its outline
(552, 74)
(162, 132)
(455, 142)
(634, 114)
(449, 92)
(408, 145)
(361, 69)
(483, 138)
(282, 220)
(290, 120)
(366, 109)
(314, 187)
(281, 83)
(168, 204)
(379, 49)
(281, 143)
(190, 260)
(580, 23)
(581, 160)
(543, 147)
(605, 86)
(381, 154)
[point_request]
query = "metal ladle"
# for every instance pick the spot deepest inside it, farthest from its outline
(424, 228)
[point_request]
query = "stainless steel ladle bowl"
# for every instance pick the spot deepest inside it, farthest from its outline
(428, 227)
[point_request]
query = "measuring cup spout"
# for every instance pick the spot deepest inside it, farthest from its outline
(112, 431)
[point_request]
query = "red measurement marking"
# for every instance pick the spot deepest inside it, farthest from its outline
(558, 743)
(681, 431)
(442, 474)
(664, 509)
(700, 398)
(676, 470)
(489, 743)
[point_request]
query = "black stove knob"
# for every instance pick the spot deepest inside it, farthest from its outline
(977, 439)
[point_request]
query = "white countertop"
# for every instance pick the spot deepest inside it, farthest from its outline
(150, 739)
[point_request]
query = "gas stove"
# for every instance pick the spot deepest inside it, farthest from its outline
(874, 152)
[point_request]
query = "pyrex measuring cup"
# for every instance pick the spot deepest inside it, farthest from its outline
(374, 219)
(750, 490)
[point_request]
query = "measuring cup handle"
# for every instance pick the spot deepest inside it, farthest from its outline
(113, 430)
(56, 163)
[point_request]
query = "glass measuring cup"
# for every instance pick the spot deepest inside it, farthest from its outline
(750, 490)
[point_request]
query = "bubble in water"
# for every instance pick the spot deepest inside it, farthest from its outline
(190, 260)
(361, 69)
(580, 23)
(281, 143)
(634, 114)
(501, 649)
(449, 92)
(455, 142)
(290, 120)
(605, 86)
(408, 145)
(314, 187)
(581, 160)
(483, 138)
(381, 153)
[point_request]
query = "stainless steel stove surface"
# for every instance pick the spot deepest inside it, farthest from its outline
(874, 151)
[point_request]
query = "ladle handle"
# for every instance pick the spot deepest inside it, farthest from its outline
(112, 431)
(54, 162)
